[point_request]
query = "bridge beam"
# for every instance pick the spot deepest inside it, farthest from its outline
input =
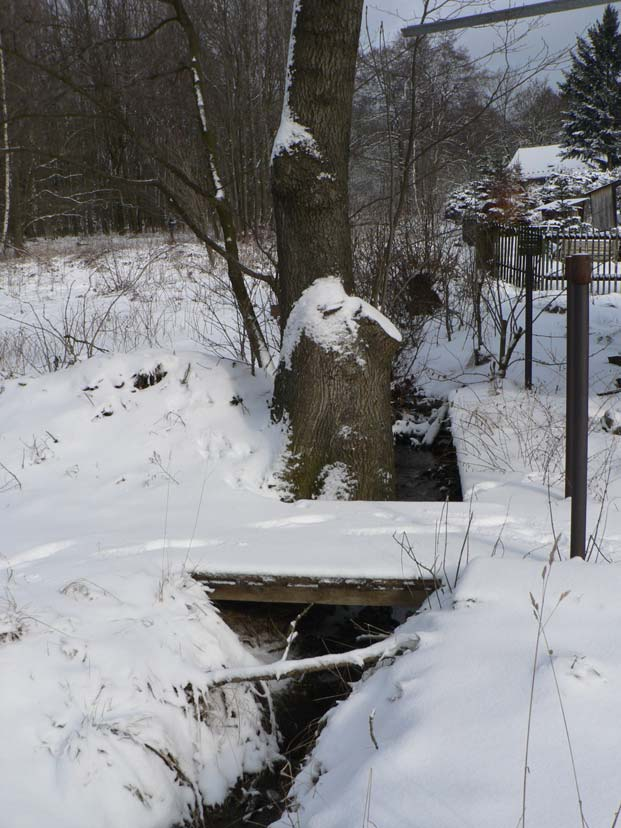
(292, 589)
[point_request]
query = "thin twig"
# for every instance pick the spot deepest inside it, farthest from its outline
(11, 474)
(371, 731)
(585, 824)
(293, 633)
(538, 612)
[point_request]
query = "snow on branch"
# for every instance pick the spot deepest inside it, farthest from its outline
(394, 645)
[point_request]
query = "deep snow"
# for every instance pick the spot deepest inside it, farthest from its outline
(112, 495)
(450, 719)
(439, 738)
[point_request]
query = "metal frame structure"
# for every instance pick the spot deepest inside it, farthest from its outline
(499, 16)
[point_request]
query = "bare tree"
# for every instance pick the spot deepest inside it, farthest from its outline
(113, 77)
(4, 231)
(217, 190)
(536, 115)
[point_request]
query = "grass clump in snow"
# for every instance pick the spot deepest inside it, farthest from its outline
(145, 379)
(12, 620)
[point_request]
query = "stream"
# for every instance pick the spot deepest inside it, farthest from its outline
(427, 474)
(423, 474)
(302, 703)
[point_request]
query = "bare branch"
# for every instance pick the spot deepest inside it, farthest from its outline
(390, 647)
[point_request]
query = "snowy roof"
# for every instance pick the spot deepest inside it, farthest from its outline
(615, 182)
(561, 204)
(542, 162)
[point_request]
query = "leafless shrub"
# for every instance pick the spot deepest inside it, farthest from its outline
(216, 323)
(508, 435)
(503, 307)
(121, 274)
(15, 353)
(56, 343)
(527, 433)
(84, 328)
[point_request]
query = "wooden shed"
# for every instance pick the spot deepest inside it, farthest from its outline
(603, 206)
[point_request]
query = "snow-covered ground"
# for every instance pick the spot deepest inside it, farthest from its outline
(122, 474)
(439, 738)
(507, 714)
(105, 639)
(73, 299)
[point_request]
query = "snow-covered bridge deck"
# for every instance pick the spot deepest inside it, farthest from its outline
(292, 589)
(188, 495)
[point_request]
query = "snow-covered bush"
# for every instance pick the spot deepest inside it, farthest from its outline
(108, 707)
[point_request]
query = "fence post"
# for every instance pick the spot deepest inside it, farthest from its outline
(578, 270)
(530, 244)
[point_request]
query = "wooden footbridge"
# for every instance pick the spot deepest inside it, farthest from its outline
(297, 589)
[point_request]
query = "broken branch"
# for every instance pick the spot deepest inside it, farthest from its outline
(365, 656)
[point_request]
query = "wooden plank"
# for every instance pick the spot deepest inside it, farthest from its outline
(289, 589)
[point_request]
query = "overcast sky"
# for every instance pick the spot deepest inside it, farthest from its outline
(555, 32)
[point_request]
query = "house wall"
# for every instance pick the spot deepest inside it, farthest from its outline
(604, 208)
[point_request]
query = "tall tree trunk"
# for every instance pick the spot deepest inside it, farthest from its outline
(4, 112)
(333, 381)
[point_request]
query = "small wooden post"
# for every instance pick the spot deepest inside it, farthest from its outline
(570, 372)
(530, 244)
(172, 226)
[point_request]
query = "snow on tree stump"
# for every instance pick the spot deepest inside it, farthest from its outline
(345, 347)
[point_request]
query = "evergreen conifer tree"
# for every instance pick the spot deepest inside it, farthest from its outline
(592, 87)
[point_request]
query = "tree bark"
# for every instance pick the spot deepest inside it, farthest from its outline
(335, 398)
(4, 110)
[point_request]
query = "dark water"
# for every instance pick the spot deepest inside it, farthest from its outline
(427, 474)
(300, 708)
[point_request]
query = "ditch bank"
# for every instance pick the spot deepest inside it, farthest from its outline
(299, 704)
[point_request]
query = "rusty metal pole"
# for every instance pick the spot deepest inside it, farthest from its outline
(570, 372)
(578, 269)
(528, 333)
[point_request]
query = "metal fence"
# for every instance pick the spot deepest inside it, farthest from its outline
(510, 246)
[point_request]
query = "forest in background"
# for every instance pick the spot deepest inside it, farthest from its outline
(102, 136)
